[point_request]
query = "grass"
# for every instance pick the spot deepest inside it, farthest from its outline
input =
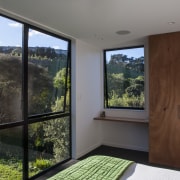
(12, 169)
(9, 172)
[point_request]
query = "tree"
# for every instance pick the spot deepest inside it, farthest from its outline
(57, 132)
(61, 90)
(115, 84)
(40, 90)
(125, 81)
(10, 89)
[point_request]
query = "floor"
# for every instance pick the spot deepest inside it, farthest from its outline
(137, 156)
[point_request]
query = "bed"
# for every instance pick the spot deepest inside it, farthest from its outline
(111, 168)
(143, 172)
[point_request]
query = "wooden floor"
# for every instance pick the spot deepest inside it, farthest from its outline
(137, 156)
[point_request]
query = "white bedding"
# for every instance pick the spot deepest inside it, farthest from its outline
(144, 172)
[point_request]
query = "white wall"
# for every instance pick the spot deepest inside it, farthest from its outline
(129, 135)
(125, 135)
(86, 101)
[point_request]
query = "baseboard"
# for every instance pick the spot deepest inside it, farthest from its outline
(89, 149)
(137, 148)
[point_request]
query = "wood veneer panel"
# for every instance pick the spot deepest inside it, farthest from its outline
(164, 79)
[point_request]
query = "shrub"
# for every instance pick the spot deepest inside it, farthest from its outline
(42, 163)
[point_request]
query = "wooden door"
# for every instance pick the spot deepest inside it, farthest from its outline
(164, 97)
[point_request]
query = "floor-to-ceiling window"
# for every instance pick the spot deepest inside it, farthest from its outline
(34, 100)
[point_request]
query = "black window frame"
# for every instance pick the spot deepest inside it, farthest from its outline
(106, 104)
(30, 119)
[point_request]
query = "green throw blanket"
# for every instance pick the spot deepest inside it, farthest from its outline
(94, 168)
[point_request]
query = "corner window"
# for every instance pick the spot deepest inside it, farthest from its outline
(35, 87)
(124, 78)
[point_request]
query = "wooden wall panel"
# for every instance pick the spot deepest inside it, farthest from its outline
(164, 79)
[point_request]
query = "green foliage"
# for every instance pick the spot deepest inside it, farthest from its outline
(60, 83)
(8, 172)
(115, 101)
(57, 132)
(116, 84)
(125, 81)
(59, 104)
(49, 140)
(134, 90)
(42, 163)
(40, 90)
(126, 101)
(10, 169)
(43, 65)
(36, 136)
(134, 101)
(139, 80)
(60, 78)
(10, 88)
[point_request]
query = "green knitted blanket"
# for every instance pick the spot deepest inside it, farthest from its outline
(94, 168)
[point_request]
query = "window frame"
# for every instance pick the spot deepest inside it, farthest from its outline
(105, 79)
(30, 119)
(34, 116)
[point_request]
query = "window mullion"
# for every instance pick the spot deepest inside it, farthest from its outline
(25, 98)
(66, 80)
(105, 83)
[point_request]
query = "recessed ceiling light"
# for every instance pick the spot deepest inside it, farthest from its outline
(123, 32)
(171, 22)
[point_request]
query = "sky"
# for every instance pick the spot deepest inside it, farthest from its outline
(11, 35)
(134, 52)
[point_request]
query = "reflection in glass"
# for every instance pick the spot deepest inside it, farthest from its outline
(49, 143)
(47, 78)
(10, 71)
(11, 153)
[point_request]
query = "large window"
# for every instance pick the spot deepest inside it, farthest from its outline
(35, 115)
(124, 78)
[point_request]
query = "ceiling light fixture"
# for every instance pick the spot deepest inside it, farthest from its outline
(123, 32)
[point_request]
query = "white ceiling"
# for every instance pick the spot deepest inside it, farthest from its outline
(97, 21)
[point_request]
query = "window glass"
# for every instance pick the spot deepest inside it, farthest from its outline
(49, 143)
(124, 78)
(10, 71)
(40, 69)
(11, 153)
(48, 71)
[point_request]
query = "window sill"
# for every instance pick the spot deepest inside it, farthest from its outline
(121, 119)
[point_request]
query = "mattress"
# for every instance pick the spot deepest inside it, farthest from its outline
(144, 172)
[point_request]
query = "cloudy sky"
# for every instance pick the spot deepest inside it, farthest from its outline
(134, 52)
(11, 35)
